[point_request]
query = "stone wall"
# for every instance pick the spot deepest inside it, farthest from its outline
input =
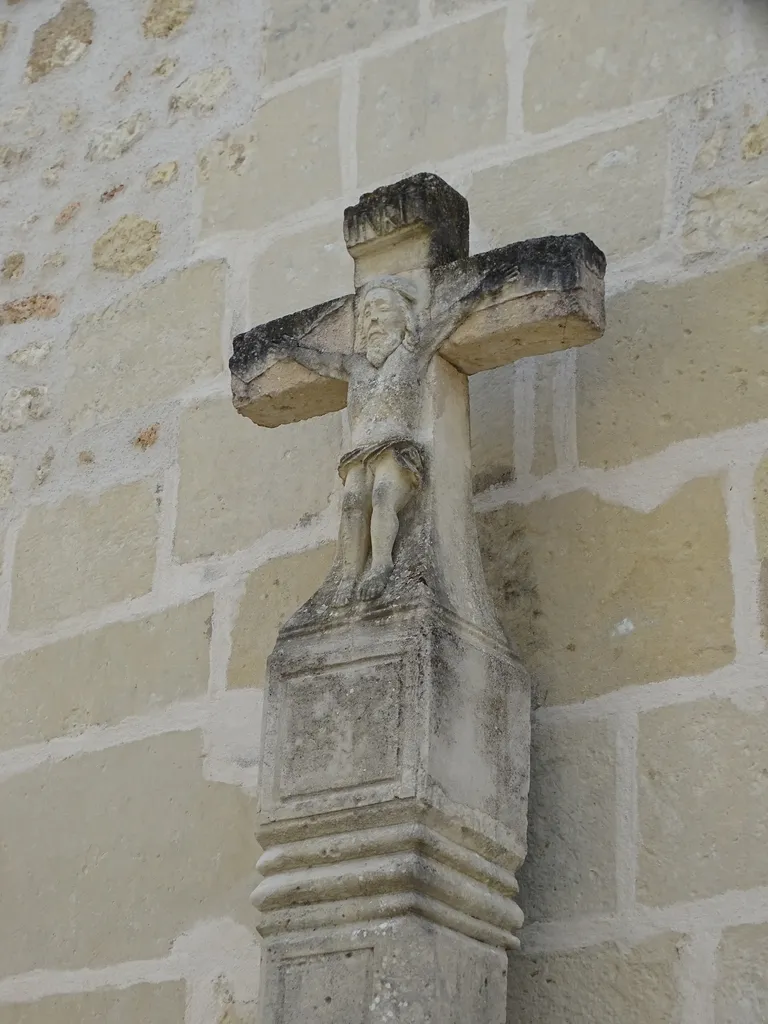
(172, 171)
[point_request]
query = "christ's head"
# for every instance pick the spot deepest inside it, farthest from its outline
(386, 321)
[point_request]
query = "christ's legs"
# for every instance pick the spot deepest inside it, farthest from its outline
(392, 489)
(353, 531)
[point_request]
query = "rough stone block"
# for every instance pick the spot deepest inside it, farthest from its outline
(601, 984)
(99, 678)
(300, 34)
(128, 247)
(138, 831)
(149, 1004)
(579, 187)
(62, 40)
(676, 362)
(165, 17)
(433, 99)
(659, 607)
(703, 799)
(741, 986)
(239, 482)
(286, 160)
(272, 593)
(725, 218)
(301, 270)
(492, 427)
(570, 868)
(200, 93)
(584, 60)
(147, 346)
(33, 307)
(84, 553)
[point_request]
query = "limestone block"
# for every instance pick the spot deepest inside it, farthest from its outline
(287, 159)
(7, 465)
(238, 483)
(570, 867)
(300, 34)
(703, 799)
(761, 526)
(84, 553)
(676, 362)
(13, 266)
(272, 594)
(165, 17)
(492, 427)
(100, 678)
(34, 307)
(755, 142)
(112, 143)
(579, 187)
(201, 92)
(300, 270)
(20, 405)
(584, 60)
(433, 99)
(161, 339)
(146, 1003)
(544, 456)
(659, 607)
(741, 987)
(137, 830)
(601, 984)
(725, 218)
(128, 247)
(62, 40)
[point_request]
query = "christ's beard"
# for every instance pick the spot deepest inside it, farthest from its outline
(380, 346)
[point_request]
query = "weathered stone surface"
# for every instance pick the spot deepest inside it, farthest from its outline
(433, 99)
(725, 218)
(201, 92)
(761, 527)
(138, 829)
(600, 984)
(492, 427)
(741, 986)
(299, 129)
(602, 66)
(146, 1003)
(7, 466)
(578, 188)
(61, 41)
(272, 594)
(544, 457)
(289, 475)
(100, 678)
(165, 17)
(703, 799)
(313, 264)
(12, 160)
(163, 338)
(659, 607)
(83, 553)
(301, 34)
(31, 356)
(570, 868)
(163, 174)
(128, 247)
(34, 307)
(112, 143)
(755, 142)
(67, 214)
(13, 266)
(676, 362)
(20, 405)
(5, 31)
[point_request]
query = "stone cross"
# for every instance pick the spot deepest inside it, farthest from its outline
(395, 747)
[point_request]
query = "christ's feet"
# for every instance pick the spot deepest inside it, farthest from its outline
(375, 581)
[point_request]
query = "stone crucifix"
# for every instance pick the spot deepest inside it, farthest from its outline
(395, 747)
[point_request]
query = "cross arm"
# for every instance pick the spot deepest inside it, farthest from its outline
(541, 295)
(275, 366)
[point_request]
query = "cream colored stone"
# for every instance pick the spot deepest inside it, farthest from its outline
(33, 307)
(128, 247)
(725, 218)
(601, 597)
(20, 405)
(492, 427)
(676, 362)
(604, 984)
(138, 831)
(580, 187)
(570, 868)
(585, 60)
(13, 266)
(755, 142)
(163, 174)
(112, 143)
(272, 593)
(31, 356)
(100, 678)
(300, 34)
(544, 458)
(7, 465)
(163, 338)
(741, 985)
(299, 130)
(201, 92)
(300, 270)
(761, 527)
(703, 799)
(140, 1004)
(433, 99)
(165, 17)
(239, 481)
(83, 553)
(62, 40)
